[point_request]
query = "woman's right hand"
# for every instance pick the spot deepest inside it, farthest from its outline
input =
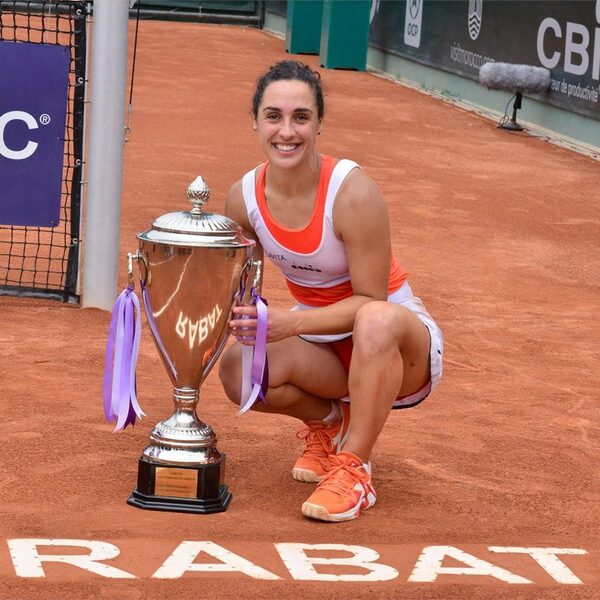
(281, 324)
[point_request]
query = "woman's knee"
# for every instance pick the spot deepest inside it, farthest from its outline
(379, 326)
(230, 373)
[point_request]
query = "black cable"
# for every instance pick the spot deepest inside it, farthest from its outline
(135, 42)
(505, 117)
(133, 62)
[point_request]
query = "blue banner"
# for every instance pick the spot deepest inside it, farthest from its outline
(33, 109)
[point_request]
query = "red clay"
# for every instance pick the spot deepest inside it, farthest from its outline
(501, 235)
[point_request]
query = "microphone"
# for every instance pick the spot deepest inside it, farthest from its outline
(517, 79)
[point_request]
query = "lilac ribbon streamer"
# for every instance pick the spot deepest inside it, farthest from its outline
(254, 358)
(119, 388)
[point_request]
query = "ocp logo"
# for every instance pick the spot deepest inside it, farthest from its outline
(475, 16)
(30, 147)
(412, 23)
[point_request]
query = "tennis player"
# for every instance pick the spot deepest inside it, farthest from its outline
(358, 343)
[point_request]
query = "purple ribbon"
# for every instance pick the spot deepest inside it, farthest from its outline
(119, 388)
(254, 360)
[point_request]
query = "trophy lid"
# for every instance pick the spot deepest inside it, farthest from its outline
(195, 227)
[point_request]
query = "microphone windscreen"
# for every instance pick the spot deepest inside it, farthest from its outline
(525, 79)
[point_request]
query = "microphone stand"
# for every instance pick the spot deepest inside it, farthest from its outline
(512, 125)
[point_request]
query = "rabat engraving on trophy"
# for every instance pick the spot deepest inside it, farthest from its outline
(197, 330)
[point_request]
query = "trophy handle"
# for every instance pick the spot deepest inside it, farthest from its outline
(145, 274)
(257, 265)
(250, 266)
(252, 271)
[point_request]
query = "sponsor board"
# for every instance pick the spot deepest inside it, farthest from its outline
(412, 24)
(461, 35)
(33, 108)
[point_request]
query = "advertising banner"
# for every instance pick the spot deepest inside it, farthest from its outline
(33, 106)
(460, 35)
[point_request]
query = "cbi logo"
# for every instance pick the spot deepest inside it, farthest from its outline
(22, 151)
(574, 43)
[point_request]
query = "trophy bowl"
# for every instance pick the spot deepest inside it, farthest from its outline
(193, 267)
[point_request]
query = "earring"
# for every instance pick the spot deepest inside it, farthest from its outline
(254, 127)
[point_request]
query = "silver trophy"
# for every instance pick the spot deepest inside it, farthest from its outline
(193, 267)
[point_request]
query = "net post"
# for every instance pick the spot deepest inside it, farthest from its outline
(105, 157)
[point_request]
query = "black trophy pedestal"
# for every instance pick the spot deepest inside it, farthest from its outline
(191, 489)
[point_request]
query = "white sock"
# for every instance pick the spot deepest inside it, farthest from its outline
(335, 415)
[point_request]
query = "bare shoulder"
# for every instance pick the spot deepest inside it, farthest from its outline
(358, 200)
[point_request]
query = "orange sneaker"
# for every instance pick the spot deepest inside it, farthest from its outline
(321, 442)
(343, 492)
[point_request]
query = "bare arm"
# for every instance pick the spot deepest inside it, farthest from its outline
(235, 209)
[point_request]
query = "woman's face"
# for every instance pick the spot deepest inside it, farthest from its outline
(288, 123)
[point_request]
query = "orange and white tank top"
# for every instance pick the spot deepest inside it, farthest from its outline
(312, 260)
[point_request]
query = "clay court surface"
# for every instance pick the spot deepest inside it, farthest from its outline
(501, 235)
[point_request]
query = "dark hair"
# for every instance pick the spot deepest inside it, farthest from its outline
(289, 70)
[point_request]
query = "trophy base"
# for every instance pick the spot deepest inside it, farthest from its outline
(202, 507)
(191, 489)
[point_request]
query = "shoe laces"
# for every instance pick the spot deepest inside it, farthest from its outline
(342, 478)
(319, 444)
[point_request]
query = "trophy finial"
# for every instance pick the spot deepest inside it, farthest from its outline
(198, 193)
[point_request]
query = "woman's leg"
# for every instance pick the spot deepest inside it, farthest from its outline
(303, 378)
(390, 358)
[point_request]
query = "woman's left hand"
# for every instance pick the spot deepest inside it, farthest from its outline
(280, 324)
